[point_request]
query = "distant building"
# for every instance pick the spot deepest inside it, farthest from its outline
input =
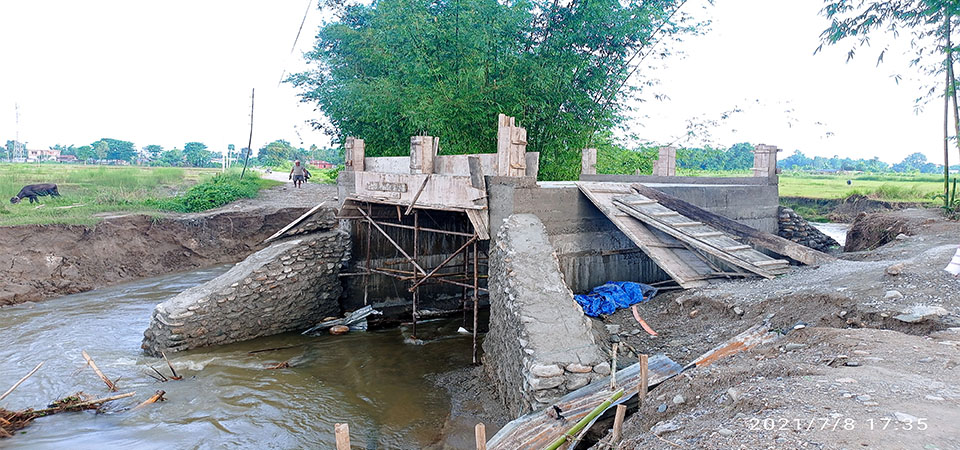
(321, 164)
(43, 155)
(67, 158)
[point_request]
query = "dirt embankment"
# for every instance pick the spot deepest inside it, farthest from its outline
(843, 210)
(874, 360)
(44, 261)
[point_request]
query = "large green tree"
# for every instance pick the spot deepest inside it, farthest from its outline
(153, 151)
(397, 68)
(276, 153)
(115, 149)
(197, 154)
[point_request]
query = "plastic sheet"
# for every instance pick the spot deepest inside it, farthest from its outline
(609, 297)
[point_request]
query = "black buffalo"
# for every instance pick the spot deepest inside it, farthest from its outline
(33, 191)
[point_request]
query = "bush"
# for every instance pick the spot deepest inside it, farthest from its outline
(213, 193)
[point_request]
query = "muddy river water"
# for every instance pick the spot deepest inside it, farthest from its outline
(373, 381)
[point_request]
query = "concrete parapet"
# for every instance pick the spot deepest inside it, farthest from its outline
(540, 345)
(288, 286)
(666, 163)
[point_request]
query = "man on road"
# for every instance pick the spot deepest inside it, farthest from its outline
(298, 173)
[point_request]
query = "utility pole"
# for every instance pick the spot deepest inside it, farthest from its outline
(250, 140)
(16, 139)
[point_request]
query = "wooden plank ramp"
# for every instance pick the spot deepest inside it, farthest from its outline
(682, 264)
(767, 241)
(702, 236)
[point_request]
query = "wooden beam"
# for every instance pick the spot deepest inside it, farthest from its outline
(776, 244)
(293, 224)
(417, 196)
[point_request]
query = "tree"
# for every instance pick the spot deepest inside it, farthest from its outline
(101, 149)
(114, 149)
(172, 158)
(85, 153)
(153, 151)
(926, 21)
(397, 68)
(276, 153)
(197, 154)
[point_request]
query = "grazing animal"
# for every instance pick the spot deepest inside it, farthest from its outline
(32, 191)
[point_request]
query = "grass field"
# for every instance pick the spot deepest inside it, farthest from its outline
(88, 190)
(889, 187)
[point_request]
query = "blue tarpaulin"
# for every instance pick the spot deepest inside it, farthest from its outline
(607, 298)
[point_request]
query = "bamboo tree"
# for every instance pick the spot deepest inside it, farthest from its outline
(947, 88)
(925, 20)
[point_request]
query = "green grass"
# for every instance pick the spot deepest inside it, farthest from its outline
(90, 191)
(889, 187)
(215, 192)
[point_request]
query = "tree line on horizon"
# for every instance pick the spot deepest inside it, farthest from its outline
(614, 159)
(193, 154)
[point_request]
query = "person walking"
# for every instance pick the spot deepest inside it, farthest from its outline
(297, 173)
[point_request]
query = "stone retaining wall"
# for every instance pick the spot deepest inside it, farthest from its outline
(797, 229)
(540, 345)
(290, 285)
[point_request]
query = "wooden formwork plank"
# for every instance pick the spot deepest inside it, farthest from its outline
(680, 263)
(711, 242)
(752, 236)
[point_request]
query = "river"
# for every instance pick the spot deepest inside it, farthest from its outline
(373, 381)
(838, 231)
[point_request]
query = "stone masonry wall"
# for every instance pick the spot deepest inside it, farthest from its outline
(540, 344)
(797, 229)
(290, 285)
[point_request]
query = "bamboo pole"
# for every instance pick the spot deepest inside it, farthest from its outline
(444, 263)
(172, 371)
(17, 384)
(613, 366)
(93, 365)
(481, 434)
(393, 242)
(476, 288)
(584, 421)
(618, 424)
(416, 245)
(41, 412)
(342, 433)
(157, 397)
(644, 379)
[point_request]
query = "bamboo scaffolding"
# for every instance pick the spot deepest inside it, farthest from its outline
(417, 275)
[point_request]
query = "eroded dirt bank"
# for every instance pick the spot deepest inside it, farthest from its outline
(44, 261)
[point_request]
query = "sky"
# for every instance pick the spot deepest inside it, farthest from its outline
(177, 71)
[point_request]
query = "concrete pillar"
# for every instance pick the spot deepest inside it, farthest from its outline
(423, 150)
(511, 148)
(765, 161)
(353, 154)
(666, 163)
(588, 161)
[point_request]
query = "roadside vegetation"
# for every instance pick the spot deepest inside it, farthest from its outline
(90, 191)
